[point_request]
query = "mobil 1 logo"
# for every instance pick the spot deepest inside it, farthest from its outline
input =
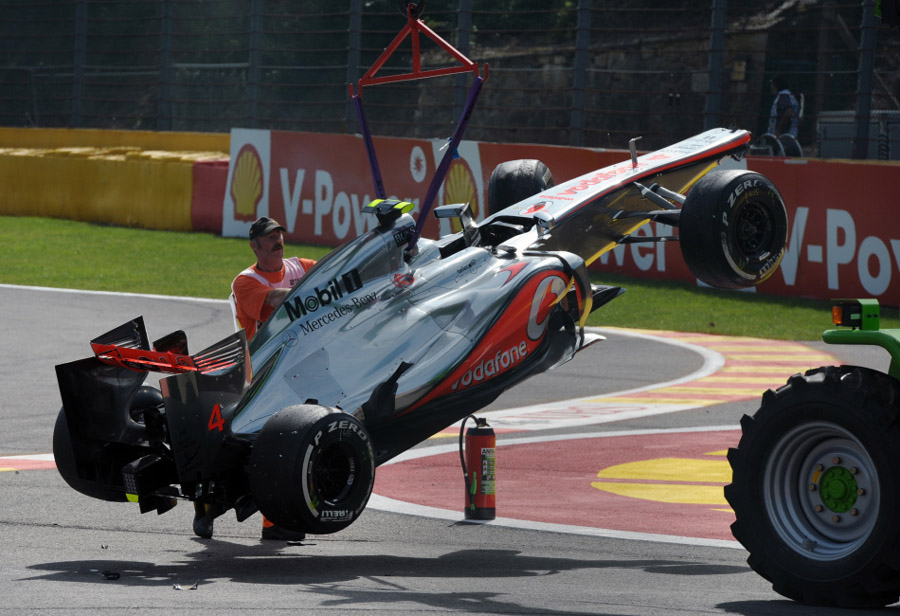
(332, 291)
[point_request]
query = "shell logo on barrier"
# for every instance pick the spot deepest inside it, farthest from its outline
(418, 166)
(247, 183)
(459, 187)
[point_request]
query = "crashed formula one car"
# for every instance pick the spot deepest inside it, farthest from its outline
(393, 337)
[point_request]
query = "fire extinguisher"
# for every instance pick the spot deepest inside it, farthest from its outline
(478, 460)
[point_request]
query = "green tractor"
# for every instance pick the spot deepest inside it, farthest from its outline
(816, 476)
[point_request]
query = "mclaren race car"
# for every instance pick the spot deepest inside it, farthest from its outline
(393, 337)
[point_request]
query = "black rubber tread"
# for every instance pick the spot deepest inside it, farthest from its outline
(325, 451)
(858, 401)
(515, 180)
(733, 229)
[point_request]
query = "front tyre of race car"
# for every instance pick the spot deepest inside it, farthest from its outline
(312, 469)
(815, 488)
(733, 229)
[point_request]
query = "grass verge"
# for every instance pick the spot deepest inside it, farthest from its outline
(76, 255)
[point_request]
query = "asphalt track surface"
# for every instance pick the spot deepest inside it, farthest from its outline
(608, 473)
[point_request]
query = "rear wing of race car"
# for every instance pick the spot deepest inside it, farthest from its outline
(128, 346)
(103, 413)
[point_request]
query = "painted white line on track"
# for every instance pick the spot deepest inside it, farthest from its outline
(383, 503)
(38, 457)
(200, 300)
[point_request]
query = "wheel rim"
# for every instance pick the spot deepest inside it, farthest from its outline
(334, 473)
(754, 231)
(821, 491)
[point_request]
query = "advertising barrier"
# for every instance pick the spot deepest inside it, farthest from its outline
(844, 238)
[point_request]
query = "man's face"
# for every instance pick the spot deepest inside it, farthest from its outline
(269, 247)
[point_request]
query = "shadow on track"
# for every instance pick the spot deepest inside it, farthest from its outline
(265, 563)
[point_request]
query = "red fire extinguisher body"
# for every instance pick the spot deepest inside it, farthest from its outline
(480, 471)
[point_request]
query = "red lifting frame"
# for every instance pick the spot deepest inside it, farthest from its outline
(413, 27)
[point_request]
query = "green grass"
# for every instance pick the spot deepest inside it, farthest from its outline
(684, 307)
(61, 253)
(75, 255)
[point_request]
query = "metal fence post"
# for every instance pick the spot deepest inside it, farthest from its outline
(253, 62)
(716, 63)
(78, 61)
(865, 80)
(579, 77)
(463, 35)
(354, 43)
(164, 121)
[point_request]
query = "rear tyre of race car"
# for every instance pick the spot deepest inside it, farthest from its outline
(815, 488)
(733, 229)
(516, 180)
(312, 469)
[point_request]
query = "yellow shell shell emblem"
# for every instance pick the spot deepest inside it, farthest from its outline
(459, 187)
(247, 183)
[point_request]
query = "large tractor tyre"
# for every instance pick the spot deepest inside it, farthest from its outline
(815, 488)
(107, 484)
(733, 229)
(312, 469)
(516, 180)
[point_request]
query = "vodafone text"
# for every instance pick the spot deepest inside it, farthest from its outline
(492, 366)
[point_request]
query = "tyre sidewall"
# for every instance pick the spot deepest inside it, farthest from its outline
(710, 227)
(286, 462)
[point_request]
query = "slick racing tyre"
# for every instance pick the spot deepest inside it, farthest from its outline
(815, 488)
(516, 180)
(312, 469)
(733, 229)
